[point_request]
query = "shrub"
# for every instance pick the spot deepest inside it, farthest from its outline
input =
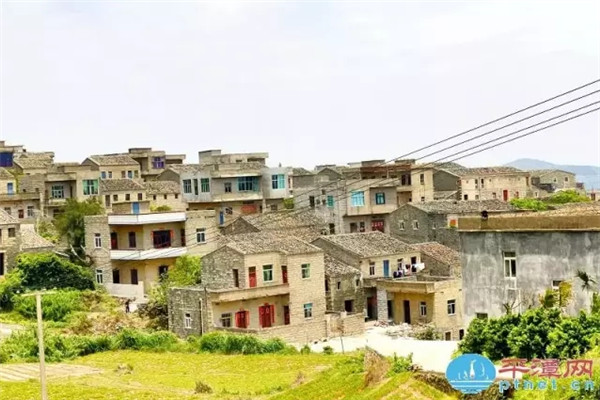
(140, 340)
(163, 208)
(48, 270)
(475, 338)
(567, 196)
(288, 204)
(529, 204)
(56, 307)
(496, 336)
(328, 350)
(229, 343)
(305, 349)
(202, 387)
(529, 338)
(429, 333)
(401, 364)
(9, 286)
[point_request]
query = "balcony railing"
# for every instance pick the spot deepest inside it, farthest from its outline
(152, 254)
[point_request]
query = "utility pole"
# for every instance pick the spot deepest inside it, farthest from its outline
(40, 332)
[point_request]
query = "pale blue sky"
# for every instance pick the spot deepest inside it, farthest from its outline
(309, 82)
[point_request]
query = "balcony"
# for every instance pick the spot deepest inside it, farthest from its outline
(237, 196)
(236, 294)
(143, 219)
(372, 209)
(56, 202)
(152, 254)
(418, 284)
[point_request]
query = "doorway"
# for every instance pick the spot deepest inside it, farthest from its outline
(349, 306)
(114, 242)
(407, 311)
(266, 315)
(134, 276)
(252, 276)
(116, 276)
(505, 195)
(286, 315)
(390, 307)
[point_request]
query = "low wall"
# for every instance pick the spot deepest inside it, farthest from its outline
(348, 324)
(125, 290)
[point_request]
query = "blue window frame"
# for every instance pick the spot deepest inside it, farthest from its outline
(10, 188)
(278, 181)
(330, 201)
(103, 174)
(357, 199)
(248, 184)
(379, 198)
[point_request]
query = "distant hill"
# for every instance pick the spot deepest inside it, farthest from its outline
(588, 174)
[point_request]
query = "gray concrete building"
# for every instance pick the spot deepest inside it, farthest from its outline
(509, 260)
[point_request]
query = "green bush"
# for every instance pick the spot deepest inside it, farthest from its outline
(305, 349)
(529, 339)
(56, 307)
(49, 271)
(130, 339)
(567, 196)
(475, 338)
(429, 333)
(401, 364)
(496, 334)
(529, 204)
(328, 350)
(229, 343)
(9, 286)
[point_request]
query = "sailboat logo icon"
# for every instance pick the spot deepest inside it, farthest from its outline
(471, 373)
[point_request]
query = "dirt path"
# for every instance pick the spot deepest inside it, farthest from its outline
(24, 372)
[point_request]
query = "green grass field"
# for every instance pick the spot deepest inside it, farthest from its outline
(174, 375)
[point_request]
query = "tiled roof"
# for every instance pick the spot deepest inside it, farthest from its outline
(7, 219)
(163, 187)
(301, 172)
(4, 174)
(118, 185)
(183, 168)
(30, 162)
(542, 172)
(267, 242)
(31, 240)
(286, 219)
(462, 206)
(573, 209)
(335, 267)
(369, 244)
(439, 252)
(482, 171)
(113, 159)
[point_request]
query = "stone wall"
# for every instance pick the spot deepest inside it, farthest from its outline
(172, 200)
(348, 290)
(218, 266)
(445, 181)
(336, 252)
(100, 256)
(10, 246)
(184, 301)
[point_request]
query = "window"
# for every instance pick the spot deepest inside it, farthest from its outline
(236, 277)
(227, 186)
(379, 198)
(182, 234)
(228, 210)
(165, 196)
(196, 187)
(29, 211)
(187, 186)
(90, 187)
(339, 285)
(226, 320)
(349, 306)
(451, 307)
(163, 270)
(357, 282)
(123, 174)
(130, 174)
(204, 185)
(357, 199)
(361, 226)
(267, 273)
(201, 235)
(248, 184)
(20, 213)
(483, 183)
(158, 163)
(423, 309)
(401, 225)
(278, 181)
(510, 264)
(273, 207)
(58, 192)
(481, 315)
(109, 174)
(461, 334)
(422, 199)
(103, 174)
(140, 196)
(476, 197)
(494, 195)
(371, 268)
(10, 188)
(132, 241)
(8, 210)
(422, 179)
(305, 271)
(378, 225)
(353, 228)
(308, 310)
(11, 232)
(330, 201)
(187, 321)
(566, 179)
(556, 285)
(99, 276)
(115, 197)
(97, 240)
(415, 225)
(332, 229)
(448, 336)
(176, 196)
(466, 197)
(127, 197)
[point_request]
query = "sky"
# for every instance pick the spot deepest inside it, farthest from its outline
(308, 82)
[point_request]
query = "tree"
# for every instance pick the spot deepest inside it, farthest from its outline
(70, 223)
(567, 196)
(48, 271)
(587, 282)
(186, 272)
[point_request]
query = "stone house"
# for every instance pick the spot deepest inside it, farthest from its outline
(119, 191)
(234, 184)
(32, 163)
(24, 206)
(114, 166)
(262, 283)
(436, 221)
(374, 255)
(369, 203)
(509, 259)
(165, 193)
(545, 181)
(8, 153)
(153, 162)
(487, 183)
(131, 251)
(343, 289)
(440, 260)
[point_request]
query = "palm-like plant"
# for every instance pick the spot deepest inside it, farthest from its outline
(587, 282)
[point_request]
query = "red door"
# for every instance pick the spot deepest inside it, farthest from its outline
(505, 195)
(241, 319)
(286, 315)
(252, 276)
(284, 273)
(266, 315)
